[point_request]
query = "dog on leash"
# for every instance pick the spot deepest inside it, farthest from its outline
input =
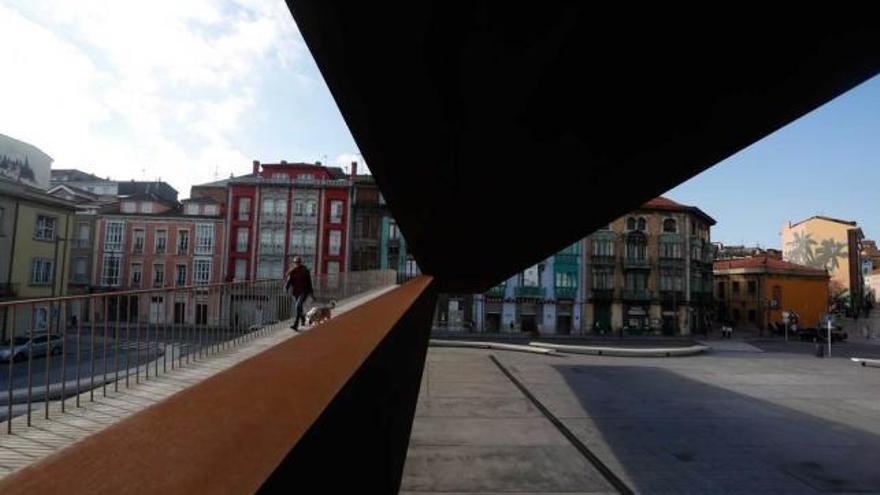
(320, 314)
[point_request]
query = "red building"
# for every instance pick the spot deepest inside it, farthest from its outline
(284, 210)
(148, 242)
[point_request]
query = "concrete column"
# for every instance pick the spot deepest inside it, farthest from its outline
(508, 309)
(655, 312)
(616, 316)
(479, 313)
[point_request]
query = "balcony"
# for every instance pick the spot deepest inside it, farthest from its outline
(8, 290)
(82, 243)
(636, 295)
(497, 291)
(637, 263)
(602, 259)
(271, 250)
(602, 294)
(273, 218)
(524, 291)
(670, 262)
(566, 259)
(566, 292)
(80, 279)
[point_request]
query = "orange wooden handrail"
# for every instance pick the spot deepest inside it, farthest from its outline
(228, 433)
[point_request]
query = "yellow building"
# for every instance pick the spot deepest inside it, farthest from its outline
(830, 244)
(754, 291)
(35, 229)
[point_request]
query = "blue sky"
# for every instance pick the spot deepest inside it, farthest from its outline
(825, 163)
(187, 91)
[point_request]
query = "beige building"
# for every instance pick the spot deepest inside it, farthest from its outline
(831, 244)
(35, 233)
(650, 271)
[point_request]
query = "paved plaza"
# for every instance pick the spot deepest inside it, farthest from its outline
(748, 417)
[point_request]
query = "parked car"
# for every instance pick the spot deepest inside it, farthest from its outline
(21, 347)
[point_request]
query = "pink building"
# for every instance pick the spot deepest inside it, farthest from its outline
(147, 242)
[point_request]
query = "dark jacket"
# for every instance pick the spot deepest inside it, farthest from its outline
(299, 281)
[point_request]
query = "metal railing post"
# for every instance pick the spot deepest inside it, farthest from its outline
(11, 369)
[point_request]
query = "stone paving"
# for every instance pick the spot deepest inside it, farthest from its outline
(736, 420)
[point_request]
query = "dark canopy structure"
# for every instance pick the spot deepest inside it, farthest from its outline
(484, 120)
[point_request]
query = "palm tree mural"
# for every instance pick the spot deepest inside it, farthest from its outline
(801, 251)
(828, 253)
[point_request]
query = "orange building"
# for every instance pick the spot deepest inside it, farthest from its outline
(755, 291)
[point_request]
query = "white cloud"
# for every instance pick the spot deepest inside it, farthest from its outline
(124, 88)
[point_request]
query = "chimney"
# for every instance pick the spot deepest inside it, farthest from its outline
(318, 163)
(354, 169)
(256, 167)
(284, 162)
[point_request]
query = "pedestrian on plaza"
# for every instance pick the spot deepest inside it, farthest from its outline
(299, 283)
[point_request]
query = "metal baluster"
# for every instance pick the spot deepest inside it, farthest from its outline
(137, 344)
(48, 359)
(30, 362)
(104, 345)
(79, 345)
(11, 310)
(92, 351)
(63, 355)
(116, 344)
(128, 337)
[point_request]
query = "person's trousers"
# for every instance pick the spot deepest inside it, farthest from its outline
(298, 316)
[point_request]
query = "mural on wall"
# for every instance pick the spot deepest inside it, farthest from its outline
(24, 163)
(826, 255)
(15, 169)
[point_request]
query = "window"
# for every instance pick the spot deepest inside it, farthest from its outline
(113, 237)
(735, 287)
(44, 229)
(205, 239)
(721, 289)
(183, 242)
(393, 233)
(335, 242)
(636, 281)
(210, 210)
(83, 232)
(298, 207)
(311, 209)
(136, 274)
(310, 239)
(181, 275)
(268, 206)
(129, 207)
(265, 240)
(279, 176)
(630, 223)
(244, 209)
(110, 270)
(636, 247)
(240, 269)
(269, 269)
(297, 238)
(335, 211)
(161, 241)
(643, 225)
(281, 207)
(201, 271)
(80, 265)
(670, 225)
(603, 279)
(41, 271)
(278, 240)
(158, 275)
(671, 282)
(603, 247)
(752, 287)
(147, 207)
(670, 250)
(192, 209)
(332, 267)
(137, 245)
(241, 240)
(566, 280)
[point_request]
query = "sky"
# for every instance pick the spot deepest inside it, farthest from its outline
(191, 91)
(825, 163)
(185, 91)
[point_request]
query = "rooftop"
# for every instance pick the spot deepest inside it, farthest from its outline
(665, 204)
(821, 217)
(768, 264)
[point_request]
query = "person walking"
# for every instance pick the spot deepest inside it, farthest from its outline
(299, 283)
